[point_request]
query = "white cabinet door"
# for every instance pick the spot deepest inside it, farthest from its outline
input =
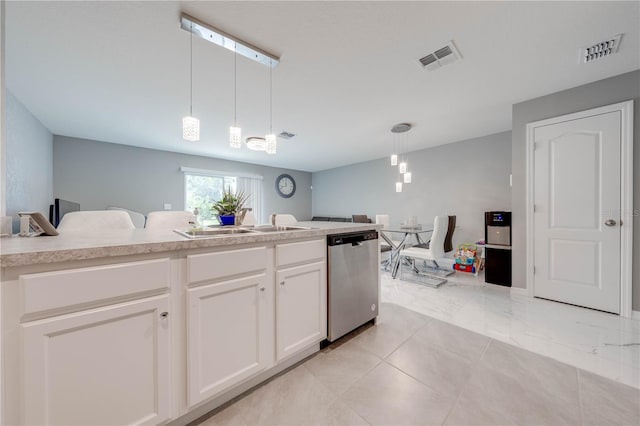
(301, 308)
(230, 327)
(106, 366)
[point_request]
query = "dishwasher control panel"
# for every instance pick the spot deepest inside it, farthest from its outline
(350, 238)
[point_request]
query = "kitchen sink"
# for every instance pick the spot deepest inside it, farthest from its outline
(212, 232)
(282, 228)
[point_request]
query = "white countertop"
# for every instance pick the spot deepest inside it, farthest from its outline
(18, 251)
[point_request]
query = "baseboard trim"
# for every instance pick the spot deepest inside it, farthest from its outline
(519, 291)
(635, 315)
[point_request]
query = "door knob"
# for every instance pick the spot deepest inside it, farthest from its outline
(610, 222)
(164, 316)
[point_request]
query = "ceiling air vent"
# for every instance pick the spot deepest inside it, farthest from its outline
(600, 50)
(286, 135)
(443, 56)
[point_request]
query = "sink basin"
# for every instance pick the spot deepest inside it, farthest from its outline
(282, 228)
(211, 232)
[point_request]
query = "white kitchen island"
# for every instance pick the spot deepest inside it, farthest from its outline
(142, 327)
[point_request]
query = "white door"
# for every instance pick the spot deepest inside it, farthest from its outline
(301, 308)
(230, 325)
(106, 366)
(577, 211)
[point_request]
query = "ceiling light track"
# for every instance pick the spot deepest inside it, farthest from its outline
(216, 36)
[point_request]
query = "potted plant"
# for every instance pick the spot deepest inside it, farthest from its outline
(229, 206)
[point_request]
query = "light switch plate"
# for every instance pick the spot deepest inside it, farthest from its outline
(167, 206)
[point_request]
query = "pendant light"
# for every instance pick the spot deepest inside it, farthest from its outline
(190, 124)
(235, 132)
(271, 137)
(398, 158)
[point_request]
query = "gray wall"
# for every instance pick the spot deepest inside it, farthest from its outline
(464, 179)
(99, 174)
(604, 92)
(28, 156)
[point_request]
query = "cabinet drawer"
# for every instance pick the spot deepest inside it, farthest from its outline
(308, 251)
(212, 266)
(72, 287)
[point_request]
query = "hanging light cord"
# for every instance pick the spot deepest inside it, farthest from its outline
(191, 72)
(270, 97)
(235, 84)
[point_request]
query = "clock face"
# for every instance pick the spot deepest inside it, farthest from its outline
(286, 186)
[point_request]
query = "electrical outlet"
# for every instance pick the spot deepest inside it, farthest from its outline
(167, 206)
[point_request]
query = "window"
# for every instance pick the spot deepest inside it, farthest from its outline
(204, 187)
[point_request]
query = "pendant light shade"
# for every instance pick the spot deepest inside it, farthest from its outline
(190, 129)
(235, 137)
(271, 143)
(190, 124)
(402, 167)
(398, 186)
(407, 177)
(394, 159)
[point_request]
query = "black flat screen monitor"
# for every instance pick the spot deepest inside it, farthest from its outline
(62, 207)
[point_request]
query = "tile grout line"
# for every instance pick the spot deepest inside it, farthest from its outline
(475, 369)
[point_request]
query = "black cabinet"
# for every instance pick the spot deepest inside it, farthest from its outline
(497, 266)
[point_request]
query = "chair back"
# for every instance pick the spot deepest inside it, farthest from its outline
(137, 218)
(448, 241)
(440, 225)
(383, 219)
(283, 219)
(95, 221)
(249, 219)
(170, 220)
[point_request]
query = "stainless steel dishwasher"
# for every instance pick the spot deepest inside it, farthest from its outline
(353, 281)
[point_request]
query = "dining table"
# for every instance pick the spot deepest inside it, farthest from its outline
(409, 234)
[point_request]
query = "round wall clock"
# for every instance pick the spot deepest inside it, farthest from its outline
(285, 186)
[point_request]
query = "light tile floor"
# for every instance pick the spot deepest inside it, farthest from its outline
(604, 344)
(414, 369)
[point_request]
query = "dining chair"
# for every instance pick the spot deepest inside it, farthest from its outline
(95, 221)
(170, 220)
(431, 255)
(138, 219)
(448, 240)
(280, 219)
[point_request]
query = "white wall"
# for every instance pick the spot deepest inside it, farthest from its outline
(28, 157)
(604, 92)
(464, 179)
(3, 199)
(99, 174)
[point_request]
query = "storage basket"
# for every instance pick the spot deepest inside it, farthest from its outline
(466, 254)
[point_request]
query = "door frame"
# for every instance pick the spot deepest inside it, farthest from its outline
(626, 195)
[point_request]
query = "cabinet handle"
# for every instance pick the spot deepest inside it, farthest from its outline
(261, 288)
(164, 316)
(281, 282)
(610, 222)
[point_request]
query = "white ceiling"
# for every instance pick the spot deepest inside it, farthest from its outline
(118, 71)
